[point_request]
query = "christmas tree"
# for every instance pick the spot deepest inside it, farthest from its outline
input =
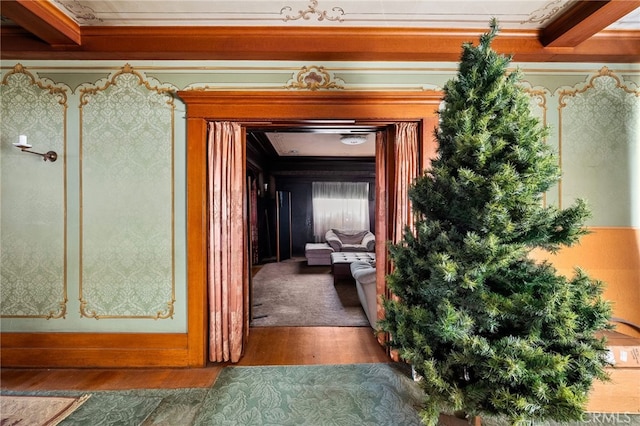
(491, 331)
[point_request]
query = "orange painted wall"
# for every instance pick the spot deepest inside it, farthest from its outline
(611, 255)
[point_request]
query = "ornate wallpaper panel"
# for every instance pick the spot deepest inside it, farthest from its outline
(538, 108)
(599, 125)
(33, 221)
(127, 246)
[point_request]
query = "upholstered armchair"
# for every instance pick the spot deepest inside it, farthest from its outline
(351, 240)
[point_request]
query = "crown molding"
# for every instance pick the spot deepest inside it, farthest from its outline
(310, 44)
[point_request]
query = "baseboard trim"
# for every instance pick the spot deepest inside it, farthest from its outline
(89, 350)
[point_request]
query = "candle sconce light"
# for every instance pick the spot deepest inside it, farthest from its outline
(24, 147)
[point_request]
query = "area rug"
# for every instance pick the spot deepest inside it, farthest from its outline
(291, 293)
(137, 407)
(316, 395)
(356, 394)
(37, 410)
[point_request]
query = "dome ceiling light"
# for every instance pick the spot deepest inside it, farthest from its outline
(353, 139)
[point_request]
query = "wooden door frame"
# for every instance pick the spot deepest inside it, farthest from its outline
(264, 107)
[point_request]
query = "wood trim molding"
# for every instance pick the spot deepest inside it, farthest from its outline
(269, 108)
(583, 20)
(275, 107)
(313, 44)
(197, 320)
(102, 350)
(44, 20)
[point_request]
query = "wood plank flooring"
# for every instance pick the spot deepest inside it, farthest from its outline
(312, 345)
(267, 346)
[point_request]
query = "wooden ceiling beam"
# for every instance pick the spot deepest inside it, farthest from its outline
(583, 20)
(42, 19)
(328, 44)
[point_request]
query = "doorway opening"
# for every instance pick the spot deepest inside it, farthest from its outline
(285, 162)
(225, 340)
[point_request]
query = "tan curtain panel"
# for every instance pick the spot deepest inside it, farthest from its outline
(407, 170)
(382, 268)
(226, 241)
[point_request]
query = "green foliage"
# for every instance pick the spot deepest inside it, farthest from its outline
(491, 331)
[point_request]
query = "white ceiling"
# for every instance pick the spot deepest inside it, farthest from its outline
(511, 14)
(326, 144)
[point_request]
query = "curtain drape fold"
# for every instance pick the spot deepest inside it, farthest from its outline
(226, 241)
(407, 170)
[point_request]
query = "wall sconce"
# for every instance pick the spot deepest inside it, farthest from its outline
(24, 146)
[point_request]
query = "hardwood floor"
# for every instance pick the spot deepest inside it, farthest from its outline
(312, 345)
(267, 346)
(32, 379)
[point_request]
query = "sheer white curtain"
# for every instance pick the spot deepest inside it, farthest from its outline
(339, 205)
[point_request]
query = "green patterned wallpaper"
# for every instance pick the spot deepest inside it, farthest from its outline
(599, 144)
(96, 240)
(33, 199)
(126, 199)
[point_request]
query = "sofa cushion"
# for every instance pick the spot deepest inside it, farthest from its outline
(349, 258)
(353, 248)
(363, 272)
(333, 240)
(318, 249)
(350, 237)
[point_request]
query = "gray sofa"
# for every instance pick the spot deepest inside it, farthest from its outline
(339, 241)
(364, 274)
(351, 240)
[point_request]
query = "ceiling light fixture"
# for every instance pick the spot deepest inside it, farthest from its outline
(353, 139)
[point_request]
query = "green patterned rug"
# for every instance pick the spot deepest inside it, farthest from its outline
(316, 395)
(360, 394)
(357, 394)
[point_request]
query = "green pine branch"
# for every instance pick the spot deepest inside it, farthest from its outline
(491, 331)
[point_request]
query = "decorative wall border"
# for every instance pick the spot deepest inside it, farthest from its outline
(547, 12)
(85, 92)
(59, 91)
(539, 95)
(81, 12)
(318, 77)
(566, 93)
(311, 10)
(51, 87)
(314, 78)
(603, 72)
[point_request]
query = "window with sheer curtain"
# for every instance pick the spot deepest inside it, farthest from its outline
(339, 205)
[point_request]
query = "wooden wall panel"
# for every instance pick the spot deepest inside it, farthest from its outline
(613, 256)
(94, 350)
